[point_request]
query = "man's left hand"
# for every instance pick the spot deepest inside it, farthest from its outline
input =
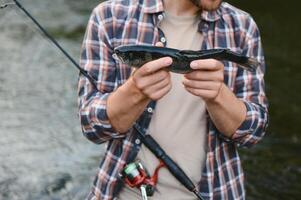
(206, 80)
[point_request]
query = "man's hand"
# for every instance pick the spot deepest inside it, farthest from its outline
(149, 82)
(206, 80)
(152, 79)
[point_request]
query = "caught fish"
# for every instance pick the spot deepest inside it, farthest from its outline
(138, 55)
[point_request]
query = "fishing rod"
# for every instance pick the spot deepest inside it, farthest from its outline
(81, 70)
(171, 165)
(147, 140)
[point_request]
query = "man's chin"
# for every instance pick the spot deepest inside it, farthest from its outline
(208, 5)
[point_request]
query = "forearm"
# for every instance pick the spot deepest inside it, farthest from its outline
(125, 105)
(226, 111)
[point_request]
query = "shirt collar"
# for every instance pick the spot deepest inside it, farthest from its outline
(156, 6)
(212, 16)
(152, 6)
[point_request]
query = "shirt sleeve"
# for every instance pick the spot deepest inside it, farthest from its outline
(250, 88)
(96, 59)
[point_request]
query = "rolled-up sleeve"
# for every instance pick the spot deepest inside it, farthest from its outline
(96, 59)
(250, 88)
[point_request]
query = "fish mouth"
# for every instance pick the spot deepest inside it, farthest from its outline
(116, 56)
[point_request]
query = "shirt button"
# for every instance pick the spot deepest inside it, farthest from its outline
(160, 17)
(150, 110)
(137, 141)
(163, 40)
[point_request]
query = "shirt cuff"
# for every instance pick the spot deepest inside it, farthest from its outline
(249, 124)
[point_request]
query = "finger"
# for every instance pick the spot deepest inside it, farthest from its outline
(205, 94)
(206, 64)
(205, 85)
(160, 93)
(133, 71)
(157, 86)
(152, 79)
(159, 44)
(201, 75)
(155, 65)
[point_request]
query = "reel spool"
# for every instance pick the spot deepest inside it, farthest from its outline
(135, 175)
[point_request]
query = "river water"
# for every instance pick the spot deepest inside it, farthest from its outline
(43, 154)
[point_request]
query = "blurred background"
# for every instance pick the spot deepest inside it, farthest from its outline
(43, 155)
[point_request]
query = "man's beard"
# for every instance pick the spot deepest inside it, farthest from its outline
(203, 6)
(196, 3)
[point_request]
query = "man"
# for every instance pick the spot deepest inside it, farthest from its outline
(200, 118)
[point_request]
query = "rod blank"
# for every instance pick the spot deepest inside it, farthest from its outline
(82, 71)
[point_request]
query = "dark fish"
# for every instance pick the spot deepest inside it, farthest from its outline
(138, 55)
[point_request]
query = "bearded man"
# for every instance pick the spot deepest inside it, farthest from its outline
(199, 119)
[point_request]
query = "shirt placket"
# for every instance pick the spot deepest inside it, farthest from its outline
(157, 20)
(143, 122)
(203, 29)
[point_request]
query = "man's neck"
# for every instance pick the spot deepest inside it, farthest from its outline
(180, 8)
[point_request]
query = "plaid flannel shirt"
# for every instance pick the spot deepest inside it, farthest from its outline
(120, 22)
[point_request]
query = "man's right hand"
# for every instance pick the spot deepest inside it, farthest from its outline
(152, 79)
(150, 82)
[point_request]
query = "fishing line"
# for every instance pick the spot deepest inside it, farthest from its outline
(33, 45)
(82, 71)
(4, 4)
(146, 139)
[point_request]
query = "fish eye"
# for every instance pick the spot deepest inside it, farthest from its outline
(116, 51)
(115, 56)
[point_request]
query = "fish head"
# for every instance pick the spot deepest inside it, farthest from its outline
(127, 54)
(122, 54)
(119, 55)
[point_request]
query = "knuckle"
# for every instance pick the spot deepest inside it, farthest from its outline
(168, 76)
(221, 77)
(135, 80)
(144, 67)
(216, 85)
(169, 87)
(139, 84)
(164, 82)
(153, 97)
(198, 75)
(134, 77)
(218, 76)
(163, 74)
(167, 79)
(190, 75)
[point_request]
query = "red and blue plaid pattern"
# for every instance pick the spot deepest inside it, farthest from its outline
(120, 22)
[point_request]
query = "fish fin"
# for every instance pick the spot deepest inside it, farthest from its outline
(253, 63)
(188, 52)
(203, 54)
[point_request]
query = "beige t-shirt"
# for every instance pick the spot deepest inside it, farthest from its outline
(179, 122)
